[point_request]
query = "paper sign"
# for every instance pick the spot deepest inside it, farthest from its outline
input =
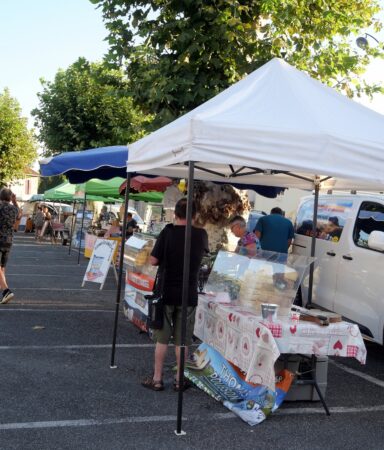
(78, 234)
(136, 243)
(100, 261)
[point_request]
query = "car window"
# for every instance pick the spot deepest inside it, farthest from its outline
(331, 217)
(370, 218)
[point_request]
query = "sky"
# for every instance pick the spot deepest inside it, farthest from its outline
(37, 37)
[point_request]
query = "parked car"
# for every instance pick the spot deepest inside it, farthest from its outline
(348, 275)
(114, 211)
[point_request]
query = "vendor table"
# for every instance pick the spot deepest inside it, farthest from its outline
(253, 344)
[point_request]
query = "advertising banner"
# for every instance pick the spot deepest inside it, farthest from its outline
(136, 307)
(78, 234)
(224, 382)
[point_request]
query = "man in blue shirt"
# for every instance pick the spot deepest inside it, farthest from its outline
(275, 232)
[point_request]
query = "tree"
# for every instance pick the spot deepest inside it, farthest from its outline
(87, 106)
(17, 146)
(180, 54)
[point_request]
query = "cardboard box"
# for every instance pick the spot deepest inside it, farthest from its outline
(300, 390)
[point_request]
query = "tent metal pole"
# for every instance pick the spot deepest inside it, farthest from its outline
(81, 228)
(72, 226)
(313, 242)
(120, 277)
(184, 304)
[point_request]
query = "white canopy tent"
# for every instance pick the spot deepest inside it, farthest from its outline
(276, 127)
(274, 121)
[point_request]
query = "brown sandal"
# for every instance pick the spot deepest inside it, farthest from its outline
(154, 385)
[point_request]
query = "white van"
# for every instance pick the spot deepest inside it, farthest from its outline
(349, 269)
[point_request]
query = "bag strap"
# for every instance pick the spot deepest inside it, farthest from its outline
(160, 274)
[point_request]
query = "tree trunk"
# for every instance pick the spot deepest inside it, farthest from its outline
(216, 204)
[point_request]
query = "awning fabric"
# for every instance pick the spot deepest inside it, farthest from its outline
(102, 163)
(105, 163)
(98, 190)
(276, 127)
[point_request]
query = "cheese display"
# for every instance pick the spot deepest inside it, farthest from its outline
(267, 277)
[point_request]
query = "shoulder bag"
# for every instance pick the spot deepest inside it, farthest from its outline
(155, 319)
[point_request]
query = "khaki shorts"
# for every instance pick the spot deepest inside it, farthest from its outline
(172, 326)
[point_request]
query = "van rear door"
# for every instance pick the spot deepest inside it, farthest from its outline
(332, 215)
(360, 281)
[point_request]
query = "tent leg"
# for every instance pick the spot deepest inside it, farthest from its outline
(184, 305)
(81, 228)
(72, 226)
(121, 261)
(313, 243)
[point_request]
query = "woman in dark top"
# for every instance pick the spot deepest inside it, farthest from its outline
(169, 254)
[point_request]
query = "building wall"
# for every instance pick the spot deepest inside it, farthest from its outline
(25, 188)
(288, 201)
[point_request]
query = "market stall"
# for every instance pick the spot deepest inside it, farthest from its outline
(245, 315)
(146, 184)
(276, 127)
(106, 191)
(140, 278)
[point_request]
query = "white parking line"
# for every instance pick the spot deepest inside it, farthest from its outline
(334, 410)
(365, 376)
(146, 419)
(72, 264)
(34, 275)
(72, 347)
(39, 310)
(61, 289)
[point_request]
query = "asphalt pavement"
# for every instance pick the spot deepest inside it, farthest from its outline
(59, 392)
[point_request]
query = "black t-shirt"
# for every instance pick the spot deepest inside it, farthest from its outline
(131, 225)
(169, 250)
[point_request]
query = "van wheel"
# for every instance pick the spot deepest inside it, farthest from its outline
(299, 298)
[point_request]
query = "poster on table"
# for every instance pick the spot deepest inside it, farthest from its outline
(78, 234)
(136, 307)
(225, 383)
(100, 261)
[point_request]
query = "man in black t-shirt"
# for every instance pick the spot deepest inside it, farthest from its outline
(168, 253)
(9, 213)
(131, 225)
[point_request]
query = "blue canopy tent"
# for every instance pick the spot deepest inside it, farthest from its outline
(102, 163)
(105, 163)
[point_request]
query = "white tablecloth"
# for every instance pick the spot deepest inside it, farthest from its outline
(253, 345)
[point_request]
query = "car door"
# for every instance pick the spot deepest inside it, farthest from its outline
(360, 281)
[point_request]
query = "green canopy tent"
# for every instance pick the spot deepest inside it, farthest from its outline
(106, 191)
(108, 188)
(99, 190)
(65, 192)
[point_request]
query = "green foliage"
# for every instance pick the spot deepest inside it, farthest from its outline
(86, 106)
(17, 146)
(46, 183)
(178, 54)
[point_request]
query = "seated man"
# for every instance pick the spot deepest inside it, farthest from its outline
(248, 242)
(131, 225)
(104, 215)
